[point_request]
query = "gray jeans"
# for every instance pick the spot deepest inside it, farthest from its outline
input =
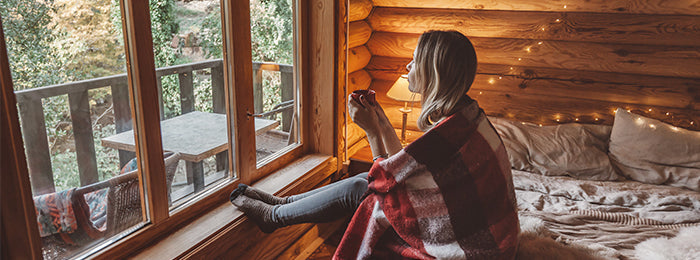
(324, 204)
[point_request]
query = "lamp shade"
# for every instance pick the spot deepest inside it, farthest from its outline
(399, 91)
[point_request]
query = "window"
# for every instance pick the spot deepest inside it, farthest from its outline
(157, 92)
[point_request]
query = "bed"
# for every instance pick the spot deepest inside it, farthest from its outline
(627, 191)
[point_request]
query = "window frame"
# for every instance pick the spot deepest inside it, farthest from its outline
(321, 49)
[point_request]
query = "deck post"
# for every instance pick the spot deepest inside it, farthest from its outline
(36, 145)
(82, 134)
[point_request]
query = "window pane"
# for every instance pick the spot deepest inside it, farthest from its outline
(274, 88)
(68, 68)
(188, 55)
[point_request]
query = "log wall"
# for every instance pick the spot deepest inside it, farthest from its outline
(551, 62)
(359, 56)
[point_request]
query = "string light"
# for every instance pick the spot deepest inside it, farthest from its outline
(540, 43)
(480, 92)
(650, 110)
(596, 119)
(652, 126)
(491, 81)
(542, 29)
(520, 58)
(667, 113)
(576, 119)
(527, 49)
(557, 20)
(499, 77)
(540, 125)
(511, 68)
(564, 6)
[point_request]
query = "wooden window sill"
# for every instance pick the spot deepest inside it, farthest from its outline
(204, 235)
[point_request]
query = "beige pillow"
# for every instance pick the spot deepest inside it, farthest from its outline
(576, 150)
(650, 151)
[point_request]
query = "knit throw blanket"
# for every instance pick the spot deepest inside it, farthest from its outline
(447, 195)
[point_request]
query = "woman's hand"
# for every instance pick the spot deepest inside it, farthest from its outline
(365, 115)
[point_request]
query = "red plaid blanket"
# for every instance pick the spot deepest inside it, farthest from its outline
(449, 194)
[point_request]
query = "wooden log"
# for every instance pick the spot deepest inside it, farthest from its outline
(590, 6)
(358, 58)
(359, 10)
(360, 31)
(355, 133)
(607, 87)
(82, 133)
(36, 144)
(589, 27)
(358, 80)
(545, 110)
(676, 61)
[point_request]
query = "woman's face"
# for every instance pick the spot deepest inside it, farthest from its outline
(412, 75)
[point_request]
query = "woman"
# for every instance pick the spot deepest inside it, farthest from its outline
(449, 194)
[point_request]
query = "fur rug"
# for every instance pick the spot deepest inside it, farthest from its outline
(685, 245)
(536, 242)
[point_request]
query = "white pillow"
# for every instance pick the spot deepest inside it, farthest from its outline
(576, 150)
(650, 151)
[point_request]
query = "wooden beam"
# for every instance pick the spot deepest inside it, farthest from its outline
(20, 233)
(342, 42)
(145, 111)
(359, 33)
(358, 58)
(321, 69)
(358, 80)
(239, 82)
(589, 6)
(621, 58)
(359, 10)
(588, 27)
(540, 109)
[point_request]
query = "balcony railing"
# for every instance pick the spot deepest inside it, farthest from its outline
(34, 127)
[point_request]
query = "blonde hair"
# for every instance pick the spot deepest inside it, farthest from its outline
(445, 65)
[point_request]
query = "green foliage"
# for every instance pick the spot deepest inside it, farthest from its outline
(32, 46)
(271, 30)
(58, 41)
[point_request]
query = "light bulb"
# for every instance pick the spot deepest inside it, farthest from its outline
(491, 81)
(540, 43)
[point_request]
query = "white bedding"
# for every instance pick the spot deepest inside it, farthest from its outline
(604, 215)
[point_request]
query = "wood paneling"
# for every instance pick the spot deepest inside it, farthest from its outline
(358, 58)
(589, 27)
(359, 9)
(621, 58)
(589, 6)
(360, 31)
(358, 80)
(613, 87)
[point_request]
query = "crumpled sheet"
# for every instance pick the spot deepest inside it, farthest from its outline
(605, 215)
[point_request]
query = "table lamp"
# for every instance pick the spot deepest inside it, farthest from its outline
(399, 92)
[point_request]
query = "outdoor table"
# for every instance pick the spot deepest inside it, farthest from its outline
(195, 135)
